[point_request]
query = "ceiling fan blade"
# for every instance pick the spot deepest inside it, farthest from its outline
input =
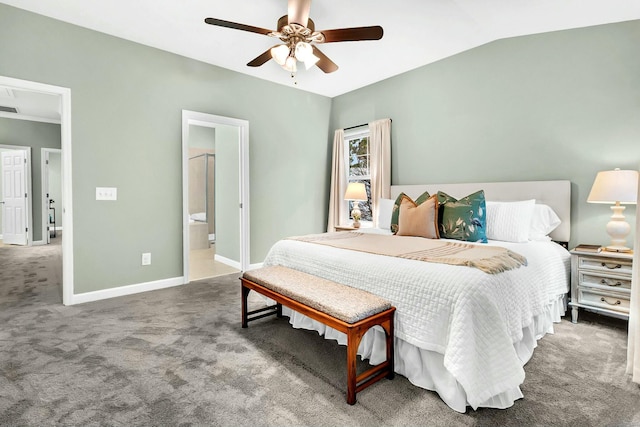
(236, 26)
(262, 58)
(353, 34)
(325, 64)
(299, 11)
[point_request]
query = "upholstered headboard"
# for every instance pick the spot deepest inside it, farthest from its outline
(556, 194)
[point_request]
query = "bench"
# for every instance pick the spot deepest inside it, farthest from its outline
(346, 309)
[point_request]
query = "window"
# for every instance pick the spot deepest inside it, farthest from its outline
(357, 147)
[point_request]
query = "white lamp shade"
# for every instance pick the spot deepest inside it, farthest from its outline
(290, 64)
(303, 51)
(280, 54)
(615, 186)
(355, 191)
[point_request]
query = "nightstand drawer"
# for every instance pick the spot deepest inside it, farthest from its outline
(606, 299)
(609, 265)
(588, 278)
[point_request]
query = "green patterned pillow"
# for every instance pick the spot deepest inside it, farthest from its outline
(395, 213)
(463, 219)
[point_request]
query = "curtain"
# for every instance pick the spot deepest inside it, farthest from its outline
(633, 347)
(337, 206)
(379, 163)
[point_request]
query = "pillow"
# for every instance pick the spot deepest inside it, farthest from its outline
(509, 221)
(420, 220)
(544, 220)
(396, 208)
(463, 219)
(385, 208)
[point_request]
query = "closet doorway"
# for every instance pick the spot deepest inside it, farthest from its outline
(215, 195)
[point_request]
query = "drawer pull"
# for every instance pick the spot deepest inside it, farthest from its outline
(604, 282)
(604, 264)
(603, 299)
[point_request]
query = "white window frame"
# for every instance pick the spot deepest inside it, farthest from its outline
(357, 133)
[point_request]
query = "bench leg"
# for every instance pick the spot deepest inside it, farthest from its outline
(245, 294)
(353, 341)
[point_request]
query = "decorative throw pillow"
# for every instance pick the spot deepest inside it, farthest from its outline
(509, 221)
(396, 208)
(463, 219)
(420, 220)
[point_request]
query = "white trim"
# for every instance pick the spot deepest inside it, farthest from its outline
(256, 266)
(227, 261)
(125, 290)
(38, 243)
(210, 120)
(67, 195)
(19, 116)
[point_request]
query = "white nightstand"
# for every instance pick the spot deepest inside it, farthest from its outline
(601, 282)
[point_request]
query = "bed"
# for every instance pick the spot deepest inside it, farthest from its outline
(460, 332)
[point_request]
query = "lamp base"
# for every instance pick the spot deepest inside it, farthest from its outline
(618, 229)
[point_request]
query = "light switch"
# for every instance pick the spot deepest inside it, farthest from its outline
(106, 193)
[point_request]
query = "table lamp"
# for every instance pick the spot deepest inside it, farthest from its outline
(616, 187)
(356, 192)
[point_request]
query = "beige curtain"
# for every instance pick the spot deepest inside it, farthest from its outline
(633, 347)
(379, 163)
(337, 205)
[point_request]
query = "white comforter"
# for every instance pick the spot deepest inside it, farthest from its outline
(473, 319)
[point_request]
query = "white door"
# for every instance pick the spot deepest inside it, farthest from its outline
(14, 194)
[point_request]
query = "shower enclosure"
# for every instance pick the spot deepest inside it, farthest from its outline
(202, 191)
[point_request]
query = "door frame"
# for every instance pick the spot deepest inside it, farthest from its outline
(28, 187)
(45, 183)
(67, 196)
(209, 120)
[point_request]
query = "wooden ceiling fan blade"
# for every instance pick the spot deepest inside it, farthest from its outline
(353, 34)
(262, 58)
(325, 64)
(298, 11)
(236, 26)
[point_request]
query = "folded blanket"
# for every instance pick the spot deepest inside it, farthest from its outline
(490, 259)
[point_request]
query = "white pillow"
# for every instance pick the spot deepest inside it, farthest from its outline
(509, 221)
(543, 222)
(385, 207)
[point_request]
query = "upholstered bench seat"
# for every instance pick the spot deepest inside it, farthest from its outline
(346, 309)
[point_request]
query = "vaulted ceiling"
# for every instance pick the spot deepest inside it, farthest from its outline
(416, 32)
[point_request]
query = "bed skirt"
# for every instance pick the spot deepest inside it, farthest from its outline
(426, 369)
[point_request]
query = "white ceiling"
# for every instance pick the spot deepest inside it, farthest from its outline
(416, 32)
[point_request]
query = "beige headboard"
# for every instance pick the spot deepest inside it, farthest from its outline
(556, 194)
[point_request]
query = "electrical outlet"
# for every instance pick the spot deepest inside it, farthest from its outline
(146, 258)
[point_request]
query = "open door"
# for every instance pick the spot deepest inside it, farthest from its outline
(14, 197)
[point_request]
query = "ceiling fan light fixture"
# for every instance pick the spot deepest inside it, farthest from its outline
(303, 51)
(280, 54)
(311, 61)
(290, 64)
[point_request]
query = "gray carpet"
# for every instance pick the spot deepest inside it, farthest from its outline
(178, 357)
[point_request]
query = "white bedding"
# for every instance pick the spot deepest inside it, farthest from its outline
(459, 331)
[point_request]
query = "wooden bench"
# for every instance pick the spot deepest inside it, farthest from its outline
(346, 309)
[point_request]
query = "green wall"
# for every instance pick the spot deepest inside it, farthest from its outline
(126, 102)
(561, 105)
(36, 135)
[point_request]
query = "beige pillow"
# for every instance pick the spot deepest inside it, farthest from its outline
(418, 220)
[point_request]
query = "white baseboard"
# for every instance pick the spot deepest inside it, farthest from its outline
(255, 266)
(227, 261)
(38, 243)
(125, 290)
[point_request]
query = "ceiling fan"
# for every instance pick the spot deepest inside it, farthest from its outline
(297, 32)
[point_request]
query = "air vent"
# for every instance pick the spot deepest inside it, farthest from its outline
(8, 109)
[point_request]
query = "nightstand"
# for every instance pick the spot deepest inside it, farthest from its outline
(344, 228)
(601, 282)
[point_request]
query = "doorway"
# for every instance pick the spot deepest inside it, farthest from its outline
(62, 98)
(15, 196)
(216, 204)
(51, 171)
